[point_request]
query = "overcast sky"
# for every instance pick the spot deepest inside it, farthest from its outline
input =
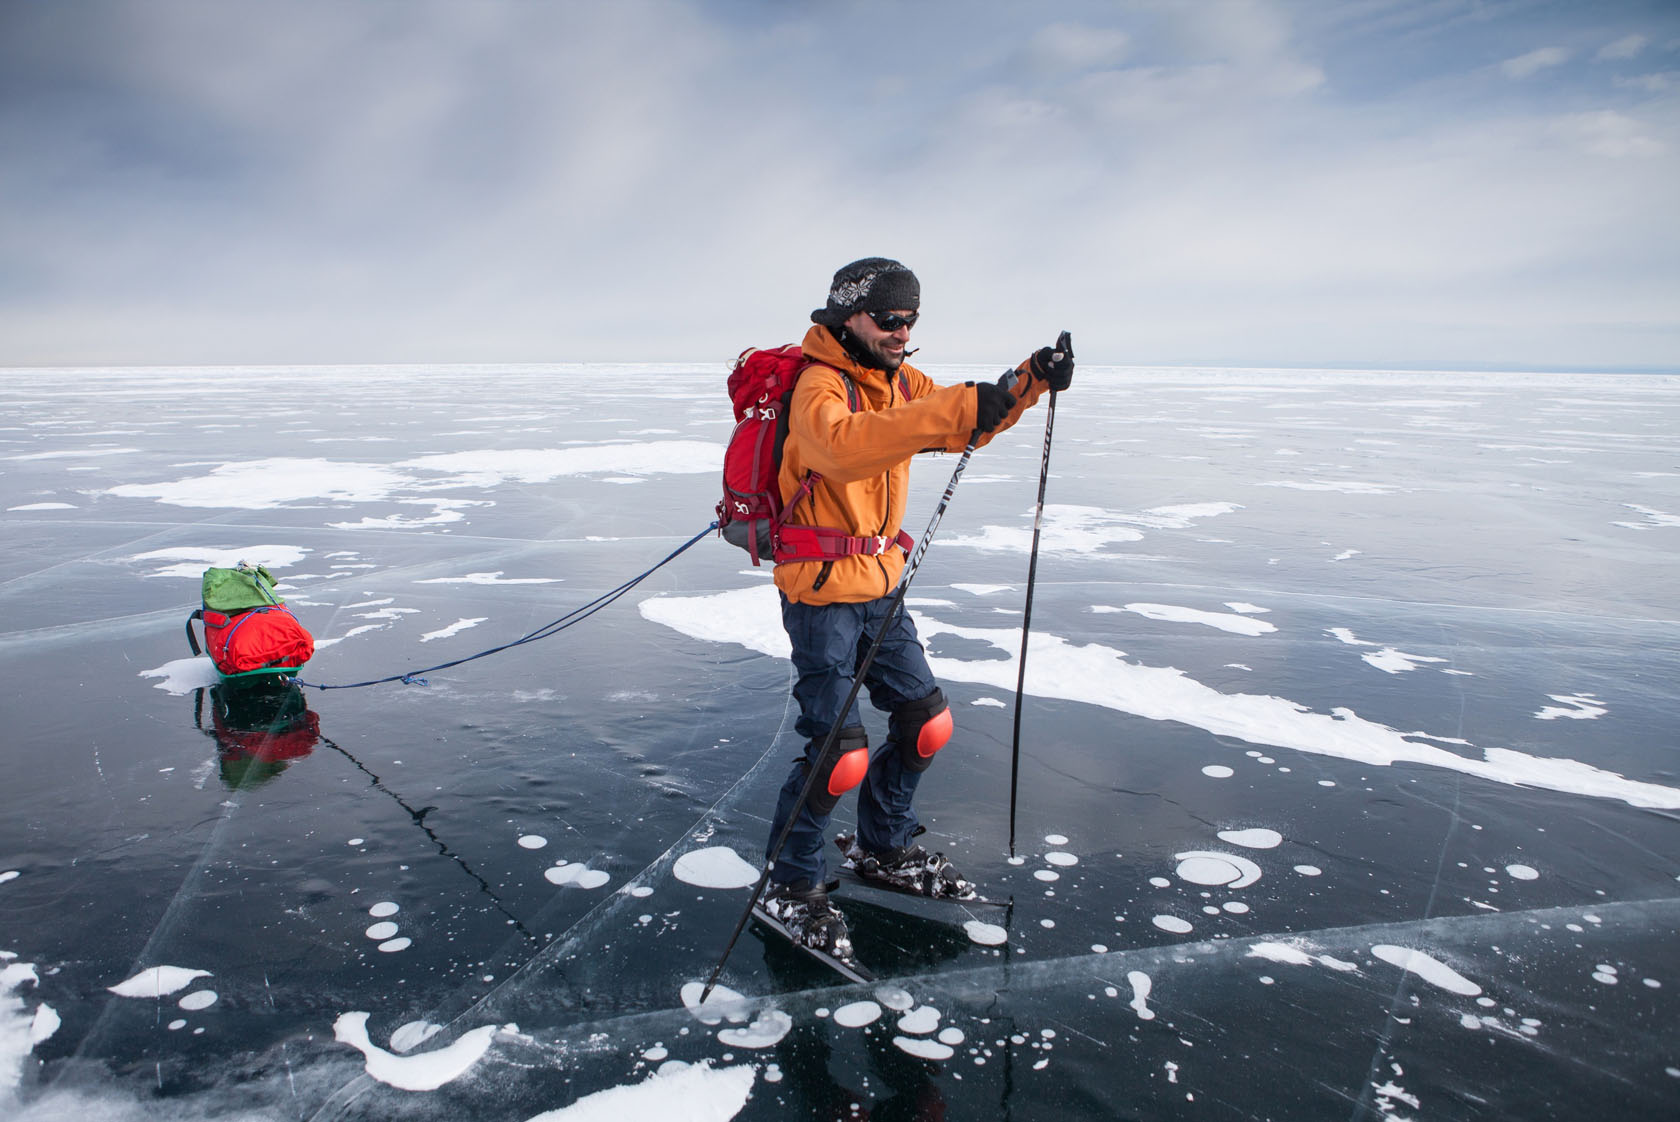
(1457, 183)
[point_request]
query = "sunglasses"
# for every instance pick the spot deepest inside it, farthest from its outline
(892, 321)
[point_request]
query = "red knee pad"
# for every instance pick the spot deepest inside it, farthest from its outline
(841, 769)
(921, 729)
(935, 734)
(848, 771)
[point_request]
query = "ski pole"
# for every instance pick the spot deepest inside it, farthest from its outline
(1064, 345)
(1026, 621)
(834, 730)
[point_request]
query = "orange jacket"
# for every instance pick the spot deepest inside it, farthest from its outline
(864, 461)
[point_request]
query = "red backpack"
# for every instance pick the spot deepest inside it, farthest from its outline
(248, 630)
(751, 512)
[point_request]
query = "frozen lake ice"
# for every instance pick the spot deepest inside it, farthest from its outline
(1348, 783)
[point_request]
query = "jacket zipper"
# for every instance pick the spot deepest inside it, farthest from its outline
(886, 513)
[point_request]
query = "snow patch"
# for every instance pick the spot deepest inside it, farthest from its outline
(1252, 839)
(766, 1031)
(720, 1004)
(924, 1049)
(1575, 707)
(1653, 518)
(19, 1031)
(857, 1014)
(1214, 868)
(686, 1093)
(189, 562)
(426, 1071)
(184, 675)
(920, 1021)
(488, 578)
(1391, 661)
(1280, 952)
(159, 981)
(1224, 621)
(1100, 675)
(455, 628)
(1430, 969)
(274, 482)
(1141, 986)
(413, 1034)
(576, 874)
(1067, 528)
(715, 867)
(1342, 486)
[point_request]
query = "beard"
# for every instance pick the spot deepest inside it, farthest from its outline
(875, 356)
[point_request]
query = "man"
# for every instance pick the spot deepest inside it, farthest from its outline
(856, 417)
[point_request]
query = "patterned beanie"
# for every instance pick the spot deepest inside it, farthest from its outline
(874, 284)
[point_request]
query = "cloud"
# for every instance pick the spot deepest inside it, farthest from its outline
(1249, 181)
(1530, 64)
(1606, 132)
(1648, 83)
(1626, 47)
(1072, 46)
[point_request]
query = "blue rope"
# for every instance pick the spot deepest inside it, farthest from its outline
(576, 615)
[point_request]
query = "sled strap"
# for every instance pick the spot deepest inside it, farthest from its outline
(192, 640)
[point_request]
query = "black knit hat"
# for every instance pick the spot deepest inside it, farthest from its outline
(874, 284)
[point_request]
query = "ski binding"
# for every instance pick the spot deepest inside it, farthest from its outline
(932, 882)
(848, 968)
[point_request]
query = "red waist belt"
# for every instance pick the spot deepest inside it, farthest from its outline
(825, 543)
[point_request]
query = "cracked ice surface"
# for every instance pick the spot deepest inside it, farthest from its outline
(1369, 819)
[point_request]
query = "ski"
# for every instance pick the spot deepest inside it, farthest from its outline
(966, 893)
(867, 890)
(850, 969)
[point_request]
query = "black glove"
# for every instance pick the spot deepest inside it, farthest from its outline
(1055, 364)
(992, 404)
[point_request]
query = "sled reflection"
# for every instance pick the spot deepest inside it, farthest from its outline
(262, 723)
(260, 726)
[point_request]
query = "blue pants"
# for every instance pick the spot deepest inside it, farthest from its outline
(829, 640)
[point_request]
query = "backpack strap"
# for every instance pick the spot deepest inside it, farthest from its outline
(192, 640)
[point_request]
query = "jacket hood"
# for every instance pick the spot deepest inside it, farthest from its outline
(820, 345)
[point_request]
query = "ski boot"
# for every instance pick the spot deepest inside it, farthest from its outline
(809, 918)
(912, 869)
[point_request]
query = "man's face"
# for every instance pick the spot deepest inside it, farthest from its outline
(887, 346)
